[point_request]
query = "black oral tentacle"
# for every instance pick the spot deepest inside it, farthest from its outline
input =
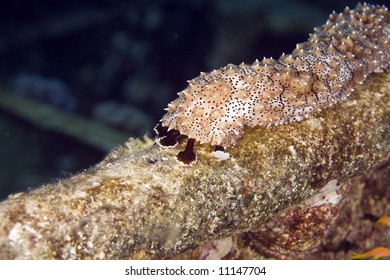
(170, 139)
(165, 137)
(218, 148)
(187, 156)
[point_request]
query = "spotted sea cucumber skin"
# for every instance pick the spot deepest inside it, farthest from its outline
(216, 106)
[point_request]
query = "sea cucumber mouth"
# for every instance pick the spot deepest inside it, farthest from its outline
(169, 138)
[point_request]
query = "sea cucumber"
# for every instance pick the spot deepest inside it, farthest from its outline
(339, 55)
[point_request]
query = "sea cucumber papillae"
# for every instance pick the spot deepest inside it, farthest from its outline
(216, 106)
